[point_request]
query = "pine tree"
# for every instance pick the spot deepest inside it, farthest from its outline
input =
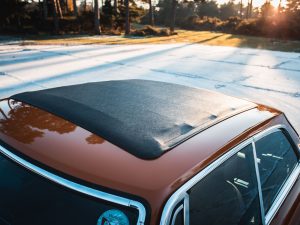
(173, 15)
(127, 19)
(151, 19)
(96, 17)
(75, 8)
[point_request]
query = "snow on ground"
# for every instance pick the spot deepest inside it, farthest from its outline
(267, 77)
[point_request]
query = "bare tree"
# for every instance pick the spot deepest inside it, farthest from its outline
(96, 17)
(45, 9)
(66, 7)
(59, 9)
(115, 6)
(241, 9)
(40, 9)
(55, 17)
(247, 10)
(250, 8)
(75, 10)
(173, 15)
(151, 19)
(127, 19)
(84, 6)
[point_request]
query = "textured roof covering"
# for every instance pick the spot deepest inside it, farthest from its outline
(145, 118)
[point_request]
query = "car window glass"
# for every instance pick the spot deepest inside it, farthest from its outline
(26, 198)
(276, 160)
(229, 194)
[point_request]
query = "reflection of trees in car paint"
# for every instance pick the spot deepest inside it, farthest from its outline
(25, 123)
(94, 139)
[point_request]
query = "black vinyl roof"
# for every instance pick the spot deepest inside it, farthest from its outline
(145, 118)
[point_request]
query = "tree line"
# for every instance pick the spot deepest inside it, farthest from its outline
(19, 14)
(95, 16)
(239, 17)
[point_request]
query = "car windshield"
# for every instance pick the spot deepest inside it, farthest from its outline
(27, 198)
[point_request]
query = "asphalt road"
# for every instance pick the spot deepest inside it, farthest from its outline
(267, 77)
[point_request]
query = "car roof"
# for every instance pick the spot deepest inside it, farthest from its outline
(57, 144)
(145, 118)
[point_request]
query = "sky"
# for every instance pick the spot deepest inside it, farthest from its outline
(257, 3)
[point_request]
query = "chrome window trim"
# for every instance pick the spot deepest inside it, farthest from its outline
(186, 203)
(268, 131)
(181, 193)
(283, 193)
(176, 213)
(78, 187)
(261, 202)
(289, 182)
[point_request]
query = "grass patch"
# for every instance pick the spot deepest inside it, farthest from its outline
(150, 31)
(182, 36)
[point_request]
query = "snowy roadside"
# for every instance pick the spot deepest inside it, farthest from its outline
(267, 77)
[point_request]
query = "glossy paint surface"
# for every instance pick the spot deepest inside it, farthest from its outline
(68, 148)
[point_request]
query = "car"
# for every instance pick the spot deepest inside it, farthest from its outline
(145, 152)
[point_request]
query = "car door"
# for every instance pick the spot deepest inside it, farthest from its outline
(229, 195)
(254, 183)
(227, 192)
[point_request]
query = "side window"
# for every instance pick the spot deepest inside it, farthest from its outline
(229, 194)
(28, 198)
(276, 160)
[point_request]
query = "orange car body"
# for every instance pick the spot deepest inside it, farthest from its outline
(62, 146)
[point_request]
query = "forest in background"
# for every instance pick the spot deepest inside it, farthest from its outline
(116, 16)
